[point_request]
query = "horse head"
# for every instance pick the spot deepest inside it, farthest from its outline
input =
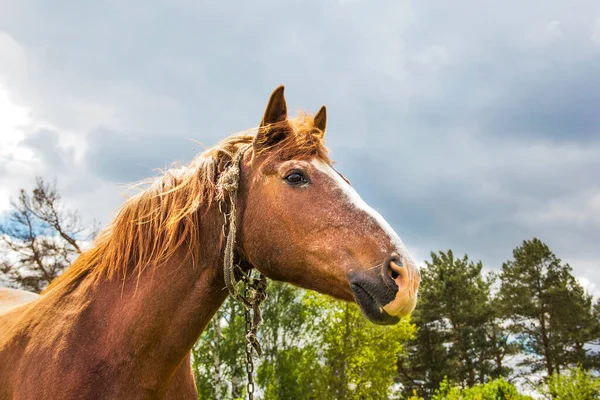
(300, 221)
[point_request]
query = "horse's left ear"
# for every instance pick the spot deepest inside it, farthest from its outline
(270, 129)
(321, 119)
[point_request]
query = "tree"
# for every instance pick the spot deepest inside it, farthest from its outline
(218, 358)
(426, 361)
(290, 367)
(549, 311)
(313, 347)
(576, 324)
(40, 237)
(498, 338)
(459, 334)
(359, 356)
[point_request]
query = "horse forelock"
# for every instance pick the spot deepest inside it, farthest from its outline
(304, 140)
(164, 217)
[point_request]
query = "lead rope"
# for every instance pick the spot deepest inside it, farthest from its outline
(255, 289)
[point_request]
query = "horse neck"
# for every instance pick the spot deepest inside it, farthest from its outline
(150, 321)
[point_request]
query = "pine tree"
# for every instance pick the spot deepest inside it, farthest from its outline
(498, 338)
(458, 332)
(549, 311)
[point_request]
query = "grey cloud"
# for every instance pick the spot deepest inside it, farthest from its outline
(558, 102)
(454, 120)
(45, 144)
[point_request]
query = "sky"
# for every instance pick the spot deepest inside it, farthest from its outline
(468, 125)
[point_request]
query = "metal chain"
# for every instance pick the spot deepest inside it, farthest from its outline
(255, 294)
(249, 361)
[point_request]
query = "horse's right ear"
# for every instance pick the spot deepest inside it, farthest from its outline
(276, 113)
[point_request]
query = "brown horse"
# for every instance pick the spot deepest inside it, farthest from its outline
(120, 322)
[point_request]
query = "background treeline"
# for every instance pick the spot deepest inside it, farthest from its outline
(472, 336)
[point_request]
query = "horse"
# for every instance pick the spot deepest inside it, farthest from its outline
(120, 322)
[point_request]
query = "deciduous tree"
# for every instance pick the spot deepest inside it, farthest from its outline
(40, 237)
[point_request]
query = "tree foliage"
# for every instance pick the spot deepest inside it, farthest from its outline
(359, 357)
(549, 312)
(575, 384)
(466, 325)
(459, 333)
(314, 347)
(494, 390)
(290, 367)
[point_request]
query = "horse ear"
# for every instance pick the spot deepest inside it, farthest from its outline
(276, 108)
(321, 119)
(275, 113)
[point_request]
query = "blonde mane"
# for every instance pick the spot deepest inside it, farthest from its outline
(164, 218)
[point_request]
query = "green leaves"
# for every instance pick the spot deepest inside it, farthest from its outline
(360, 357)
(493, 390)
(218, 358)
(322, 348)
(576, 384)
(314, 347)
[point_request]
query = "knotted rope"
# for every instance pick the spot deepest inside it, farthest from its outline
(229, 184)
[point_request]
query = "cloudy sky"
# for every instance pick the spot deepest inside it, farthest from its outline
(469, 125)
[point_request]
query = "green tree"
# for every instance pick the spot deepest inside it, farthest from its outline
(549, 311)
(359, 356)
(218, 358)
(459, 334)
(576, 324)
(317, 347)
(313, 348)
(499, 343)
(290, 366)
(426, 360)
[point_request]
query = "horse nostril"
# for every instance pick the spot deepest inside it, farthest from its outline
(395, 267)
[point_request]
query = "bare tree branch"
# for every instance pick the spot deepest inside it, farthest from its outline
(40, 237)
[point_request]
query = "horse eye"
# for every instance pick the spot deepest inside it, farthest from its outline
(295, 178)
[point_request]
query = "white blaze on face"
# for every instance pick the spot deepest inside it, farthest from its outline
(354, 198)
(405, 299)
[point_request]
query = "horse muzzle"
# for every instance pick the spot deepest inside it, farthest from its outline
(386, 294)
